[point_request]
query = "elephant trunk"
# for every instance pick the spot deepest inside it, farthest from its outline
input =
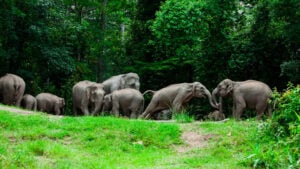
(97, 109)
(210, 99)
(214, 98)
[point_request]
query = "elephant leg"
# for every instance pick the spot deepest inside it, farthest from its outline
(149, 110)
(148, 113)
(240, 105)
(85, 110)
(115, 109)
(177, 107)
(75, 110)
(260, 109)
(57, 110)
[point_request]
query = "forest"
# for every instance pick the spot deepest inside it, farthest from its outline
(52, 44)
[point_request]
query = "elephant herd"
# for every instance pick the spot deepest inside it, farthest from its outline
(120, 96)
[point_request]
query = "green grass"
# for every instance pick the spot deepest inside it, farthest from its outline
(40, 141)
(227, 145)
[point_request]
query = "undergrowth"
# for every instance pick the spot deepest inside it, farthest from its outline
(277, 143)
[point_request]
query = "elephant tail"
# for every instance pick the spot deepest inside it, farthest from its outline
(149, 91)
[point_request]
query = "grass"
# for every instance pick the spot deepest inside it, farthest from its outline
(40, 141)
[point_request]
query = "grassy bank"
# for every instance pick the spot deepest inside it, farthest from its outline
(41, 141)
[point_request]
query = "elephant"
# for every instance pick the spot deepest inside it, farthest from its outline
(87, 97)
(174, 97)
(29, 102)
(128, 101)
(216, 115)
(50, 103)
(12, 88)
(250, 94)
(122, 81)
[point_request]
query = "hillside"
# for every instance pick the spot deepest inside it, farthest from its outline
(40, 141)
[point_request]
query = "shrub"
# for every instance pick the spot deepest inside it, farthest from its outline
(277, 143)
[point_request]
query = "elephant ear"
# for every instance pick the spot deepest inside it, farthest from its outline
(90, 93)
(229, 84)
(62, 101)
(122, 81)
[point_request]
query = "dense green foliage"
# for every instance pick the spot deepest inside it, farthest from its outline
(53, 44)
(278, 142)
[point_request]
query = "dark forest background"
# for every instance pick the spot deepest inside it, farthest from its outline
(53, 44)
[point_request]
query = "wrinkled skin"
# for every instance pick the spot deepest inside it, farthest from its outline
(122, 81)
(87, 98)
(250, 94)
(129, 102)
(29, 102)
(50, 103)
(12, 88)
(175, 97)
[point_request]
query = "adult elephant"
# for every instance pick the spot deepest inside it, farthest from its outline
(50, 103)
(122, 81)
(29, 102)
(12, 88)
(250, 94)
(87, 97)
(174, 97)
(128, 101)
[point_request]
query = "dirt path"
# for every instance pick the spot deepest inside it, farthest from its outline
(23, 111)
(16, 110)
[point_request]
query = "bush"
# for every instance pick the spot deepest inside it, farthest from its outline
(277, 143)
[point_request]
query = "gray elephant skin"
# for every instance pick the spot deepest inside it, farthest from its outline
(122, 81)
(29, 102)
(214, 95)
(87, 98)
(50, 103)
(12, 88)
(250, 94)
(174, 97)
(129, 102)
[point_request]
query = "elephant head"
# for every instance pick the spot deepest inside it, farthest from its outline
(95, 94)
(107, 103)
(130, 80)
(225, 87)
(200, 91)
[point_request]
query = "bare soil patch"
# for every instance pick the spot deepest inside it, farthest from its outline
(193, 138)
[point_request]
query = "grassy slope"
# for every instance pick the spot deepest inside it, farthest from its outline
(39, 141)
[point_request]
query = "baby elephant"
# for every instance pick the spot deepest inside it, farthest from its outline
(29, 102)
(50, 103)
(128, 101)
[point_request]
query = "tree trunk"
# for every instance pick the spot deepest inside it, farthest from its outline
(100, 68)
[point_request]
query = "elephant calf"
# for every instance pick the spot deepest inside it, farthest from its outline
(246, 94)
(50, 103)
(128, 101)
(29, 102)
(87, 97)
